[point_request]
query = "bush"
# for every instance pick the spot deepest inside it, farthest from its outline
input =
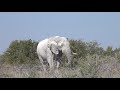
(21, 51)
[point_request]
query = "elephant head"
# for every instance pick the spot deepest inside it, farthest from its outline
(53, 47)
(64, 45)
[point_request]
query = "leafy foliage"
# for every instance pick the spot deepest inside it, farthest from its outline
(21, 51)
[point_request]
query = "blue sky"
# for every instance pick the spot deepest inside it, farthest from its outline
(104, 27)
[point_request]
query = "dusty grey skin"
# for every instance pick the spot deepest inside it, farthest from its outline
(51, 49)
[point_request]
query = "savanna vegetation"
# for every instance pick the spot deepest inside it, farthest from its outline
(92, 61)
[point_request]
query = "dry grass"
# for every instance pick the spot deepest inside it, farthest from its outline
(25, 71)
(91, 67)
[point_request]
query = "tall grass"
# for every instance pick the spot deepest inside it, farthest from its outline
(89, 67)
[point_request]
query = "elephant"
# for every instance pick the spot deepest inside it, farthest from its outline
(52, 48)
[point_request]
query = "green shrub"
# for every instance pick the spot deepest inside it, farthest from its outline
(21, 51)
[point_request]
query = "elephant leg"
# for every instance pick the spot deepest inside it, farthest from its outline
(57, 72)
(42, 62)
(50, 60)
(69, 56)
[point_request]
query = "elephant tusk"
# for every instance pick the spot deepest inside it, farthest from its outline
(74, 53)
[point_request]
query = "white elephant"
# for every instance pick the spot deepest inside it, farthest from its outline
(52, 49)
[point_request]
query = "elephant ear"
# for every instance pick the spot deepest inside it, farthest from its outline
(53, 47)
